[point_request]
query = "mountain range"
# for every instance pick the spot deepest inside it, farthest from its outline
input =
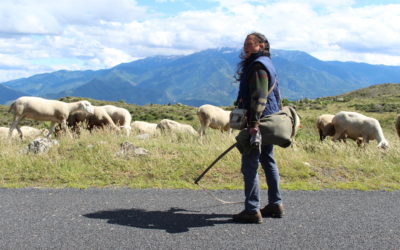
(203, 77)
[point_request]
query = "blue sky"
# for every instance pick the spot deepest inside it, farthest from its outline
(38, 36)
(172, 8)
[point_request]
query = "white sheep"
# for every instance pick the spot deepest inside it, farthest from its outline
(41, 109)
(120, 116)
(325, 126)
(143, 127)
(173, 126)
(398, 125)
(99, 119)
(213, 117)
(355, 125)
(29, 132)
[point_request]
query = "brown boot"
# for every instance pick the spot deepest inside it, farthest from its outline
(248, 217)
(272, 210)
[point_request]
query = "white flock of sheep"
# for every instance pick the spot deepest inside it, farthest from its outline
(41, 109)
(354, 126)
(71, 115)
(341, 126)
(28, 132)
(213, 117)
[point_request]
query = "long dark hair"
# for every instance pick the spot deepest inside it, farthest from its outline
(244, 61)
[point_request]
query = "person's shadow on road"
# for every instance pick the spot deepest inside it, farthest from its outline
(175, 220)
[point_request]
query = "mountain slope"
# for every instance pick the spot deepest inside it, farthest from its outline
(7, 94)
(50, 83)
(387, 90)
(205, 77)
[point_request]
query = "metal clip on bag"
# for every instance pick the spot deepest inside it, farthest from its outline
(238, 119)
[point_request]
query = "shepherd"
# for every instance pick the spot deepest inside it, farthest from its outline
(259, 95)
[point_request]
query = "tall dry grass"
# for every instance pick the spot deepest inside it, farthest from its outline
(175, 160)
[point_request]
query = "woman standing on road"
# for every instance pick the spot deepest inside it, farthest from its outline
(257, 76)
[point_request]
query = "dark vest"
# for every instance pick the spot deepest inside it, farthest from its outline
(273, 100)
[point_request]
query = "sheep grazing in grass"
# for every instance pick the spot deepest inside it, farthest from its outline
(398, 125)
(325, 126)
(120, 116)
(167, 125)
(29, 132)
(213, 117)
(354, 125)
(98, 120)
(144, 127)
(41, 109)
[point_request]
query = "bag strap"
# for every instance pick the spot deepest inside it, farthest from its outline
(272, 88)
(270, 91)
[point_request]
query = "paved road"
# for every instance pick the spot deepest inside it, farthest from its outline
(186, 219)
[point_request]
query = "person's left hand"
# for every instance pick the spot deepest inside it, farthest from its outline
(253, 130)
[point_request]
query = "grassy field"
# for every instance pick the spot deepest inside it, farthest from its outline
(174, 161)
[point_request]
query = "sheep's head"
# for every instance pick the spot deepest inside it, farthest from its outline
(383, 144)
(86, 106)
(329, 130)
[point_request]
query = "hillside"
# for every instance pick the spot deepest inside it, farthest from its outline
(204, 77)
(373, 99)
(7, 94)
(174, 161)
(380, 91)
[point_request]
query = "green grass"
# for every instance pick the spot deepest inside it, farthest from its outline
(174, 161)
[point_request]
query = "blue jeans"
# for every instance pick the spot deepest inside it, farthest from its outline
(251, 180)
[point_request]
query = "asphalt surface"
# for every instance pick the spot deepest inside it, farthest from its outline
(187, 219)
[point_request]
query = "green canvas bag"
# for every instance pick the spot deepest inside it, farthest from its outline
(278, 129)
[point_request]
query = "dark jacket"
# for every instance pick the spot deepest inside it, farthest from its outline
(253, 88)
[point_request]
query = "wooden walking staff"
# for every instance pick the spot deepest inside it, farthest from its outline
(213, 163)
(207, 169)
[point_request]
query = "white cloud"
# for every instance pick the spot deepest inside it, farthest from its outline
(42, 35)
(51, 17)
(17, 19)
(11, 62)
(112, 57)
